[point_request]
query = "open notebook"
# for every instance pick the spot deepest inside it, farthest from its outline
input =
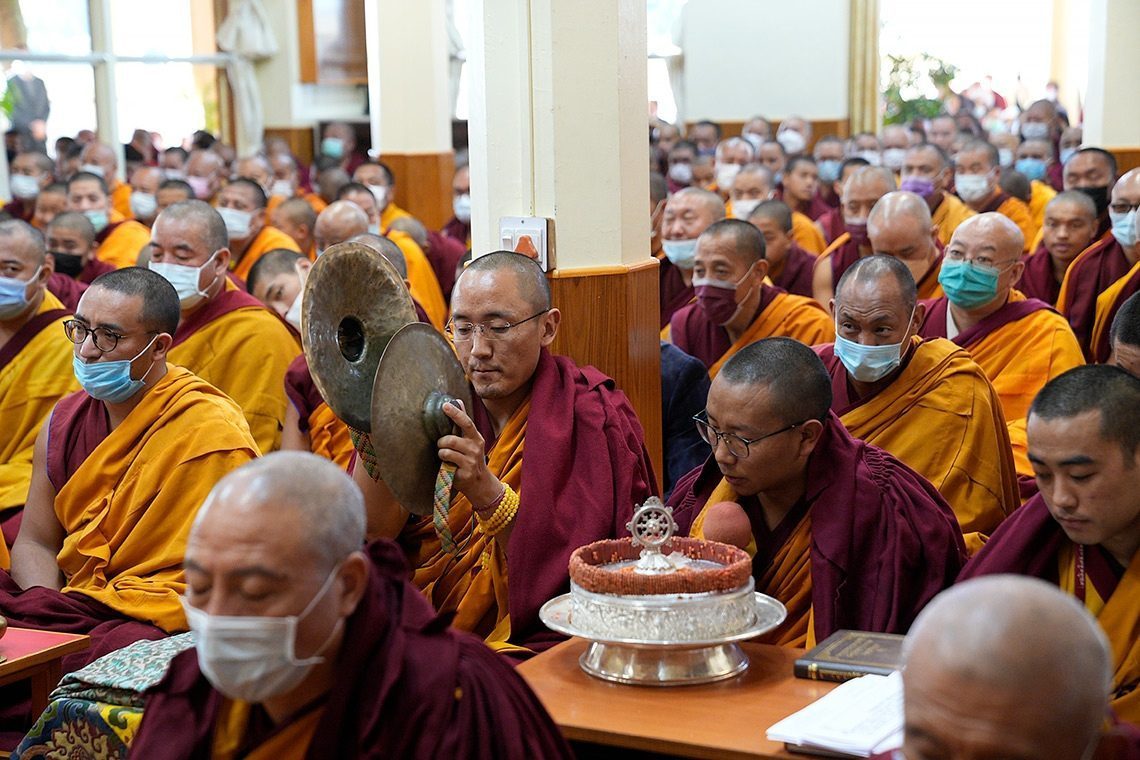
(860, 718)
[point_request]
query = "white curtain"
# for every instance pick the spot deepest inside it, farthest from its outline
(247, 35)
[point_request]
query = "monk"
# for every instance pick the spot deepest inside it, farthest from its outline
(734, 305)
(966, 681)
(51, 202)
(226, 336)
(119, 471)
(789, 266)
(976, 182)
(831, 223)
(35, 362)
(29, 173)
(895, 142)
(688, 213)
(458, 228)
(1092, 171)
(772, 155)
(942, 131)
(297, 219)
(899, 225)
(841, 532)
(1099, 277)
(1068, 228)
(338, 222)
(731, 155)
(425, 285)
(1019, 343)
(801, 187)
(338, 145)
(443, 253)
(145, 182)
(70, 240)
(366, 645)
(928, 172)
(378, 177)
(170, 192)
(286, 185)
(829, 153)
(1125, 337)
(102, 160)
(256, 168)
(1082, 530)
(925, 401)
(205, 172)
(578, 460)
(754, 185)
(119, 239)
(241, 205)
(1035, 162)
(860, 193)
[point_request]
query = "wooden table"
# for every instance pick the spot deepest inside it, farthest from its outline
(35, 656)
(720, 720)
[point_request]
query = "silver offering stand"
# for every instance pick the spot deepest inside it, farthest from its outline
(666, 639)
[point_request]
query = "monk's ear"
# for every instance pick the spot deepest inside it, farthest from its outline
(810, 433)
(161, 346)
(46, 270)
(353, 582)
(919, 317)
(1015, 273)
(761, 269)
(831, 307)
(550, 322)
(222, 260)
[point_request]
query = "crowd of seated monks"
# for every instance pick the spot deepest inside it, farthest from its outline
(912, 396)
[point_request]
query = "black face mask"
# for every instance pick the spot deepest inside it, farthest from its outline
(1099, 196)
(67, 264)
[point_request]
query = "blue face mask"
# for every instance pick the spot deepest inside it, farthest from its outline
(829, 169)
(968, 286)
(868, 364)
(97, 218)
(680, 252)
(1124, 227)
(110, 381)
(1032, 168)
(333, 147)
(14, 295)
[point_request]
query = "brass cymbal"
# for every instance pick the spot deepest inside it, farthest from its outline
(354, 302)
(418, 373)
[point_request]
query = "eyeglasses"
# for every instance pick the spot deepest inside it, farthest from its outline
(979, 261)
(104, 339)
(461, 332)
(1123, 207)
(737, 446)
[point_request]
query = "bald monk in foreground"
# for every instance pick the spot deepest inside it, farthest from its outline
(734, 306)
(861, 192)
(1068, 228)
(557, 461)
(925, 401)
(976, 686)
(928, 172)
(688, 213)
(1082, 530)
(119, 471)
(35, 363)
(841, 532)
(226, 336)
(789, 265)
(899, 225)
(284, 536)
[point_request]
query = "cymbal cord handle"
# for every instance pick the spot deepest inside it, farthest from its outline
(441, 505)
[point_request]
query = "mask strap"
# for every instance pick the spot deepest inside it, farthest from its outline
(152, 361)
(206, 263)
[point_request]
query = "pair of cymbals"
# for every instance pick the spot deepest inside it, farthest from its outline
(379, 370)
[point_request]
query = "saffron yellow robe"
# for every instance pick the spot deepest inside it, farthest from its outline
(1108, 303)
(1017, 212)
(391, 213)
(269, 238)
(328, 436)
(30, 384)
(942, 417)
(1039, 197)
(788, 316)
(424, 284)
(807, 234)
(126, 512)
(950, 213)
(245, 354)
(122, 247)
(290, 743)
(121, 199)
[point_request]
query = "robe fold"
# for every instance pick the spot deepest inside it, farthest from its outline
(1107, 304)
(873, 544)
(121, 241)
(840, 255)
(328, 436)
(806, 234)
(237, 345)
(1037, 280)
(943, 419)
(1095, 270)
(778, 314)
(424, 284)
(795, 277)
(673, 291)
(583, 471)
(405, 685)
(1020, 347)
(267, 239)
(35, 373)
(1032, 543)
(948, 214)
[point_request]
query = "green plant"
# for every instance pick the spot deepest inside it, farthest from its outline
(905, 91)
(8, 100)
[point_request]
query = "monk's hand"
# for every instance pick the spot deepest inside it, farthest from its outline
(472, 476)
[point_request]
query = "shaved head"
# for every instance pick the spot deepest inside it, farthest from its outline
(1111, 391)
(880, 274)
(1126, 324)
(710, 201)
(413, 228)
(1076, 199)
(897, 207)
(290, 485)
(530, 278)
(998, 229)
(975, 682)
(272, 263)
(778, 211)
(743, 239)
(297, 211)
(76, 222)
(22, 239)
(385, 248)
(340, 221)
(203, 217)
(791, 372)
(160, 310)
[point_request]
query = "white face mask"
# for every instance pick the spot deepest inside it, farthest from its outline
(24, 187)
(380, 193)
(293, 316)
(93, 169)
(681, 173)
(742, 208)
(972, 187)
(725, 175)
(237, 222)
(143, 205)
(282, 187)
(872, 157)
(893, 158)
(792, 141)
(254, 658)
(185, 280)
(461, 205)
(1005, 157)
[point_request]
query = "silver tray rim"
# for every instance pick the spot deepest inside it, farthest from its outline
(555, 614)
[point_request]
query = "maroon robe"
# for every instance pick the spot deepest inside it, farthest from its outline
(444, 254)
(934, 324)
(842, 257)
(1102, 348)
(458, 231)
(405, 685)
(992, 207)
(813, 209)
(70, 289)
(1038, 280)
(884, 542)
(1055, 174)
(21, 209)
(795, 277)
(832, 224)
(302, 391)
(674, 293)
(1101, 264)
(695, 334)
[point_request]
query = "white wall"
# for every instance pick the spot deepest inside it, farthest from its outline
(1112, 110)
(769, 57)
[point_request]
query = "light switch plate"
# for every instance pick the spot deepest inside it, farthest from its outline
(529, 235)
